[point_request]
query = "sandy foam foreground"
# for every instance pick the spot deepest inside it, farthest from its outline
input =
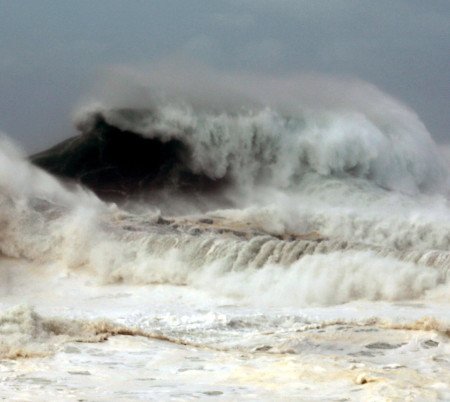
(133, 368)
(85, 341)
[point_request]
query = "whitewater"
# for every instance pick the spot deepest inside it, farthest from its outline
(214, 236)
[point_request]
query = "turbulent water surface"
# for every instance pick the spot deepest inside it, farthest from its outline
(267, 243)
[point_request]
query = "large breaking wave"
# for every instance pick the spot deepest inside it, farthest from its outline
(169, 136)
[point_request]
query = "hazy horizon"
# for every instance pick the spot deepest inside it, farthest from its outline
(52, 53)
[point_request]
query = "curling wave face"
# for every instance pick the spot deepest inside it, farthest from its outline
(244, 133)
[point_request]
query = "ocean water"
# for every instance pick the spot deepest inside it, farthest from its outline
(296, 247)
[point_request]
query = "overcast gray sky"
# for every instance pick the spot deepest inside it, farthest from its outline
(51, 50)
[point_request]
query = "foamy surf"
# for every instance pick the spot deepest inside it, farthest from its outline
(184, 343)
